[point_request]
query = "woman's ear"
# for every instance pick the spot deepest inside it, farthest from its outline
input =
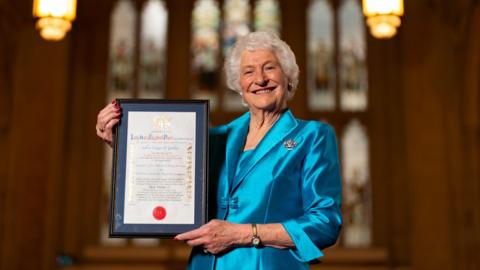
(289, 86)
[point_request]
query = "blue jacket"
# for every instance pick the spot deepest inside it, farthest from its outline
(293, 178)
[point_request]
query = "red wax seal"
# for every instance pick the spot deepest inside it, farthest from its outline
(159, 213)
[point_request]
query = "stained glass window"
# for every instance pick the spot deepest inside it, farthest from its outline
(122, 49)
(152, 63)
(152, 53)
(120, 85)
(205, 51)
(356, 188)
(353, 71)
(213, 37)
(133, 77)
(236, 23)
(321, 55)
(337, 90)
(267, 16)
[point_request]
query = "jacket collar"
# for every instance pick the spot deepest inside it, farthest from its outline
(236, 141)
(237, 135)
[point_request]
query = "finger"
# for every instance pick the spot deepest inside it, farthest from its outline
(99, 133)
(107, 110)
(107, 118)
(189, 235)
(102, 129)
(111, 123)
(186, 236)
(108, 135)
(217, 250)
(111, 114)
(196, 242)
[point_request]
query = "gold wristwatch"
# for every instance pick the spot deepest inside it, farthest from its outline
(255, 239)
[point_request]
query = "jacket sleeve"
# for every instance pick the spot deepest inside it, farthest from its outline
(320, 224)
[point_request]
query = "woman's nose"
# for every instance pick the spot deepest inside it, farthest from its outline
(260, 78)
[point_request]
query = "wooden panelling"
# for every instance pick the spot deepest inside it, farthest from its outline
(84, 156)
(468, 241)
(391, 223)
(433, 66)
(40, 74)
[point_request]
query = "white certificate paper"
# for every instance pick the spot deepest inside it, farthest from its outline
(160, 168)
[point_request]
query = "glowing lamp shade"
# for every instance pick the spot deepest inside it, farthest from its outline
(383, 17)
(54, 17)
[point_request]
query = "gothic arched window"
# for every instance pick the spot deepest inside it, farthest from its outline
(215, 28)
(337, 91)
(137, 52)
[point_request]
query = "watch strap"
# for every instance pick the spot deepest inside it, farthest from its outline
(255, 238)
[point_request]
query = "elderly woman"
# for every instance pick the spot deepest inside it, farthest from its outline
(274, 179)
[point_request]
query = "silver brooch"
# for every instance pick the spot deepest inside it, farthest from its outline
(290, 144)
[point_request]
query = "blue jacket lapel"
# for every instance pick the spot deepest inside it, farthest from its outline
(286, 124)
(235, 142)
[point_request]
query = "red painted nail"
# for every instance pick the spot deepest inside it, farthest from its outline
(113, 101)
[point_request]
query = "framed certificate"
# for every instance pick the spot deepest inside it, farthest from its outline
(159, 179)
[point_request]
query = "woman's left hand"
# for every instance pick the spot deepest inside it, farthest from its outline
(217, 236)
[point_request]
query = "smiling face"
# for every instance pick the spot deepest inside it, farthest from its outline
(263, 83)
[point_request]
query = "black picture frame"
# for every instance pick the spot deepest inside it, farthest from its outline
(118, 226)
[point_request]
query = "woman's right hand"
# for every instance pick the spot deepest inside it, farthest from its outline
(107, 118)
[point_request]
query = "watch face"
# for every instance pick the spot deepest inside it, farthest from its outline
(256, 241)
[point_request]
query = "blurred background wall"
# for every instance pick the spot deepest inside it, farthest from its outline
(406, 112)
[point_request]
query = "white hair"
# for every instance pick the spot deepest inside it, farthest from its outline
(262, 40)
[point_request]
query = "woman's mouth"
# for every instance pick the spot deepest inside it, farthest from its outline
(263, 90)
